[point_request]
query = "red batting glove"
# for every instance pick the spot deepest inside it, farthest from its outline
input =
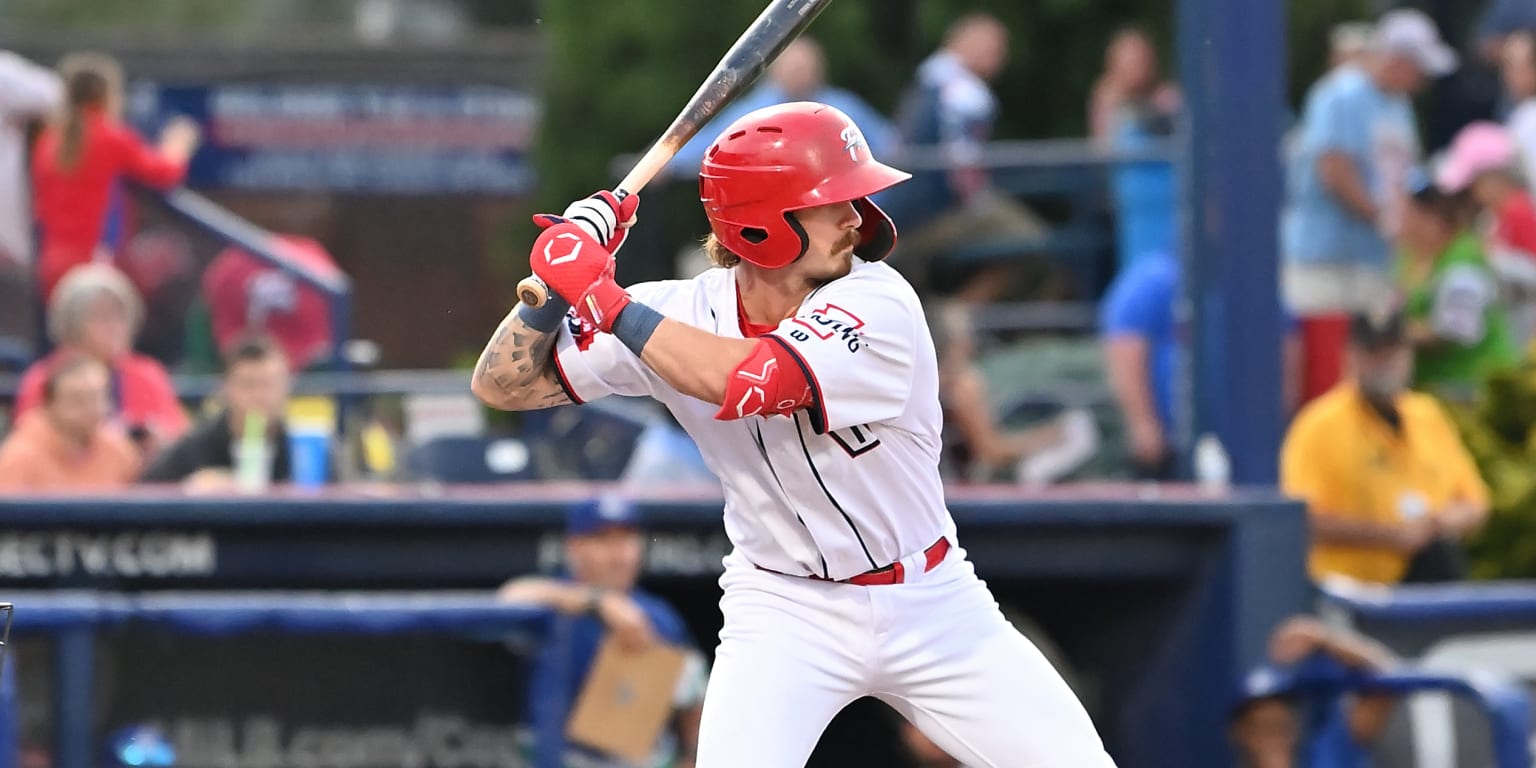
(603, 301)
(569, 260)
(603, 215)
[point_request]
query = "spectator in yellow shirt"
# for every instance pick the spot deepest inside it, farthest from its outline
(1383, 471)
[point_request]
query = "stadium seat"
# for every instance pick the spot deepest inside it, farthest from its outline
(593, 441)
(1511, 654)
(1500, 702)
(473, 459)
(15, 354)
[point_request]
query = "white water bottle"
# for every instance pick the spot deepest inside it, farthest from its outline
(1213, 470)
(253, 456)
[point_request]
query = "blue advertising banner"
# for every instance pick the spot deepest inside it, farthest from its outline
(375, 139)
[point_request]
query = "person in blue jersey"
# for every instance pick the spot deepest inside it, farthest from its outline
(1140, 337)
(604, 550)
(799, 74)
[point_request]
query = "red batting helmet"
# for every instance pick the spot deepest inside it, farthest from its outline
(784, 158)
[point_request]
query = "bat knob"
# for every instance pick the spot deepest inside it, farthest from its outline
(532, 292)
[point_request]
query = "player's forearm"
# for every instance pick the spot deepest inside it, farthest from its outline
(516, 371)
(694, 361)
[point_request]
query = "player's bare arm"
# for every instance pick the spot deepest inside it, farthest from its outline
(516, 371)
(702, 364)
(694, 361)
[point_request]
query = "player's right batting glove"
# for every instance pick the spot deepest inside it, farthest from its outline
(602, 215)
(578, 269)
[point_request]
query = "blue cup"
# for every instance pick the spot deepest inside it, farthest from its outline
(309, 457)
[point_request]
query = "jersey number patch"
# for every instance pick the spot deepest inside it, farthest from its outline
(857, 441)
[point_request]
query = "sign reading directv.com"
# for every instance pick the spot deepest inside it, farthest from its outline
(387, 139)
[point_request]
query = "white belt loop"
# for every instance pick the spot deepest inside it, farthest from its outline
(915, 566)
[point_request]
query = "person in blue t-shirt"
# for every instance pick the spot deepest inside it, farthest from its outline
(604, 549)
(799, 74)
(1142, 359)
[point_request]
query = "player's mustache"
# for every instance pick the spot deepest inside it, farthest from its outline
(849, 240)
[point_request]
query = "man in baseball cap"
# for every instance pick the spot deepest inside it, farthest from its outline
(1373, 519)
(1409, 35)
(604, 551)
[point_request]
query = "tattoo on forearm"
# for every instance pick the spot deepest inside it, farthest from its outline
(518, 363)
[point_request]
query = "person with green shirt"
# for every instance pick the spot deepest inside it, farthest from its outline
(1450, 295)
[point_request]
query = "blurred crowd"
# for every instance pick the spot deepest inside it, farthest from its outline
(1408, 281)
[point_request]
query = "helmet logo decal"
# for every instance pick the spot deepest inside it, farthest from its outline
(852, 140)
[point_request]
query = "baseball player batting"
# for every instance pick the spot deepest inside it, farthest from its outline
(804, 369)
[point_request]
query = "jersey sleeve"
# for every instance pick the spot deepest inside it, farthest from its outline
(1461, 304)
(593, 365)
(29, 394)
(857, 346)
(1137, 302)
(1338, 123)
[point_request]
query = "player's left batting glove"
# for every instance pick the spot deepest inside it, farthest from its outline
(603, 301)
(578, 269)
(603, 215)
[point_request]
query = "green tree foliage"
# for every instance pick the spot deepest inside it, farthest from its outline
(1500, 432)
(618, 72)
(1310, 23)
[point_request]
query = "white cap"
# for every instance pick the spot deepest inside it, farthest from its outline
(1407, 32)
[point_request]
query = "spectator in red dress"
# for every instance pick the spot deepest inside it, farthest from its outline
(247, 297)
(79, 159)
(95, 313)
(1484, 161)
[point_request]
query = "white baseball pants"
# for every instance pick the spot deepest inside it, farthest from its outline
(793, 652)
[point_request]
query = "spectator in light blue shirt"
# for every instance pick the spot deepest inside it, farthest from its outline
(1355, 144)
(799, 74)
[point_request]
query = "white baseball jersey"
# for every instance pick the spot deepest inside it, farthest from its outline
(847, 485)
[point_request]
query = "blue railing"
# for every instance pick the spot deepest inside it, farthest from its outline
(73, 619)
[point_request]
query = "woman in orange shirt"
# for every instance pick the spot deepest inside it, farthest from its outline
(79, 159)
(67, 444)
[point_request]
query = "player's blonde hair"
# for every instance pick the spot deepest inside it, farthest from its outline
(718, 254)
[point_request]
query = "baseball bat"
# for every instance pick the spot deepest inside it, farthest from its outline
(778, 25)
